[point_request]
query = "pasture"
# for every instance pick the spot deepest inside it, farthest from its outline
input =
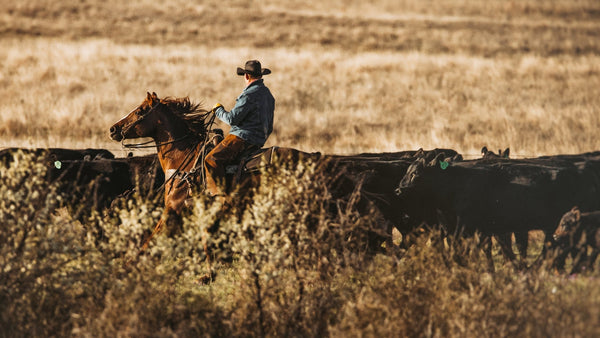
(348, 77)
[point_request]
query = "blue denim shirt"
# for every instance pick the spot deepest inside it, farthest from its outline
(251, 119)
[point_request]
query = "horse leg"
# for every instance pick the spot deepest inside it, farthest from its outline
(158, 228)
(211, 274)
(170, 220)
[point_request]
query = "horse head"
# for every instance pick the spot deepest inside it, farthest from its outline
(166, 120)
(140, 122)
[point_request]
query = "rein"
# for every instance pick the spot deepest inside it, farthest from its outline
(185, 175)
(179, 174)
(148, 144)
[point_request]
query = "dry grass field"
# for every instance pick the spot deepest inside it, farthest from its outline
(348, 77)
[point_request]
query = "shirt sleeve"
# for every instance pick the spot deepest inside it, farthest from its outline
(243, 105)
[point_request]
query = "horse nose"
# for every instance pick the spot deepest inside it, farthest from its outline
(116, 133)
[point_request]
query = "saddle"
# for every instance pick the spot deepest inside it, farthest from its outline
(251, 162)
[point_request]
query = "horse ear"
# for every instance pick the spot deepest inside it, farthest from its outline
(506, 153)
(148, 96)
(154, 96)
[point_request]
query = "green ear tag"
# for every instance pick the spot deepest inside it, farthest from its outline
(57, 164)
(444, 165)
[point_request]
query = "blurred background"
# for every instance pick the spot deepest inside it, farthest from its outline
(348, 76)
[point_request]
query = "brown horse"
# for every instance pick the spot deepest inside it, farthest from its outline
(182, 135)
(179, 129)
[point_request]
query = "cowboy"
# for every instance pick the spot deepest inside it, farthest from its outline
(251, 121)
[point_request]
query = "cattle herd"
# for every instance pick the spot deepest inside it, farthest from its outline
(94, 176)
(493, 196)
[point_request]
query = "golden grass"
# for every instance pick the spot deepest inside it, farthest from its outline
(347, 77)
(340, 102)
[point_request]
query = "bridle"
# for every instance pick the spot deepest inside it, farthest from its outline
(147, 144)
(184, 176)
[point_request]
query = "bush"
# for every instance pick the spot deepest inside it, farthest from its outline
(290, 261)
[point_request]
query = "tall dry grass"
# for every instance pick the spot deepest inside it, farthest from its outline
(340, 102)
(298, 269)
(347, 77)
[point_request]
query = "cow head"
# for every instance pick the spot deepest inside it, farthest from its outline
(567, 225)
(416, 171)
(487, 154)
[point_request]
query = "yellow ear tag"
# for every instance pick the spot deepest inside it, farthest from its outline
(57, 164)
(444, 165)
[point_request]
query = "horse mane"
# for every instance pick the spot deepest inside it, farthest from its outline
(192, 114)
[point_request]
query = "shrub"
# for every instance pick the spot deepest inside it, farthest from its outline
(290, 261)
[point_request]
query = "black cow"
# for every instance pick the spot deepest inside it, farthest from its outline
(146, 173)
(55, 154)
(501, 197)
(92, 176)
(147, 179)
(487, 154)
(95, 184)
(377, 176)
(400, 155)
(570, 158)
(576, 234)
(91, 185)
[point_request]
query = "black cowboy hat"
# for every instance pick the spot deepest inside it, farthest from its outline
(253, 68)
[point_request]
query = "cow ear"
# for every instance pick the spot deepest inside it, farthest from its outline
(429, 155)
(577, 214)
(439, 157)
(455, 158)
(420, 163)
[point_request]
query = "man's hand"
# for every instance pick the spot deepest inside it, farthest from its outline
(216, 106)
